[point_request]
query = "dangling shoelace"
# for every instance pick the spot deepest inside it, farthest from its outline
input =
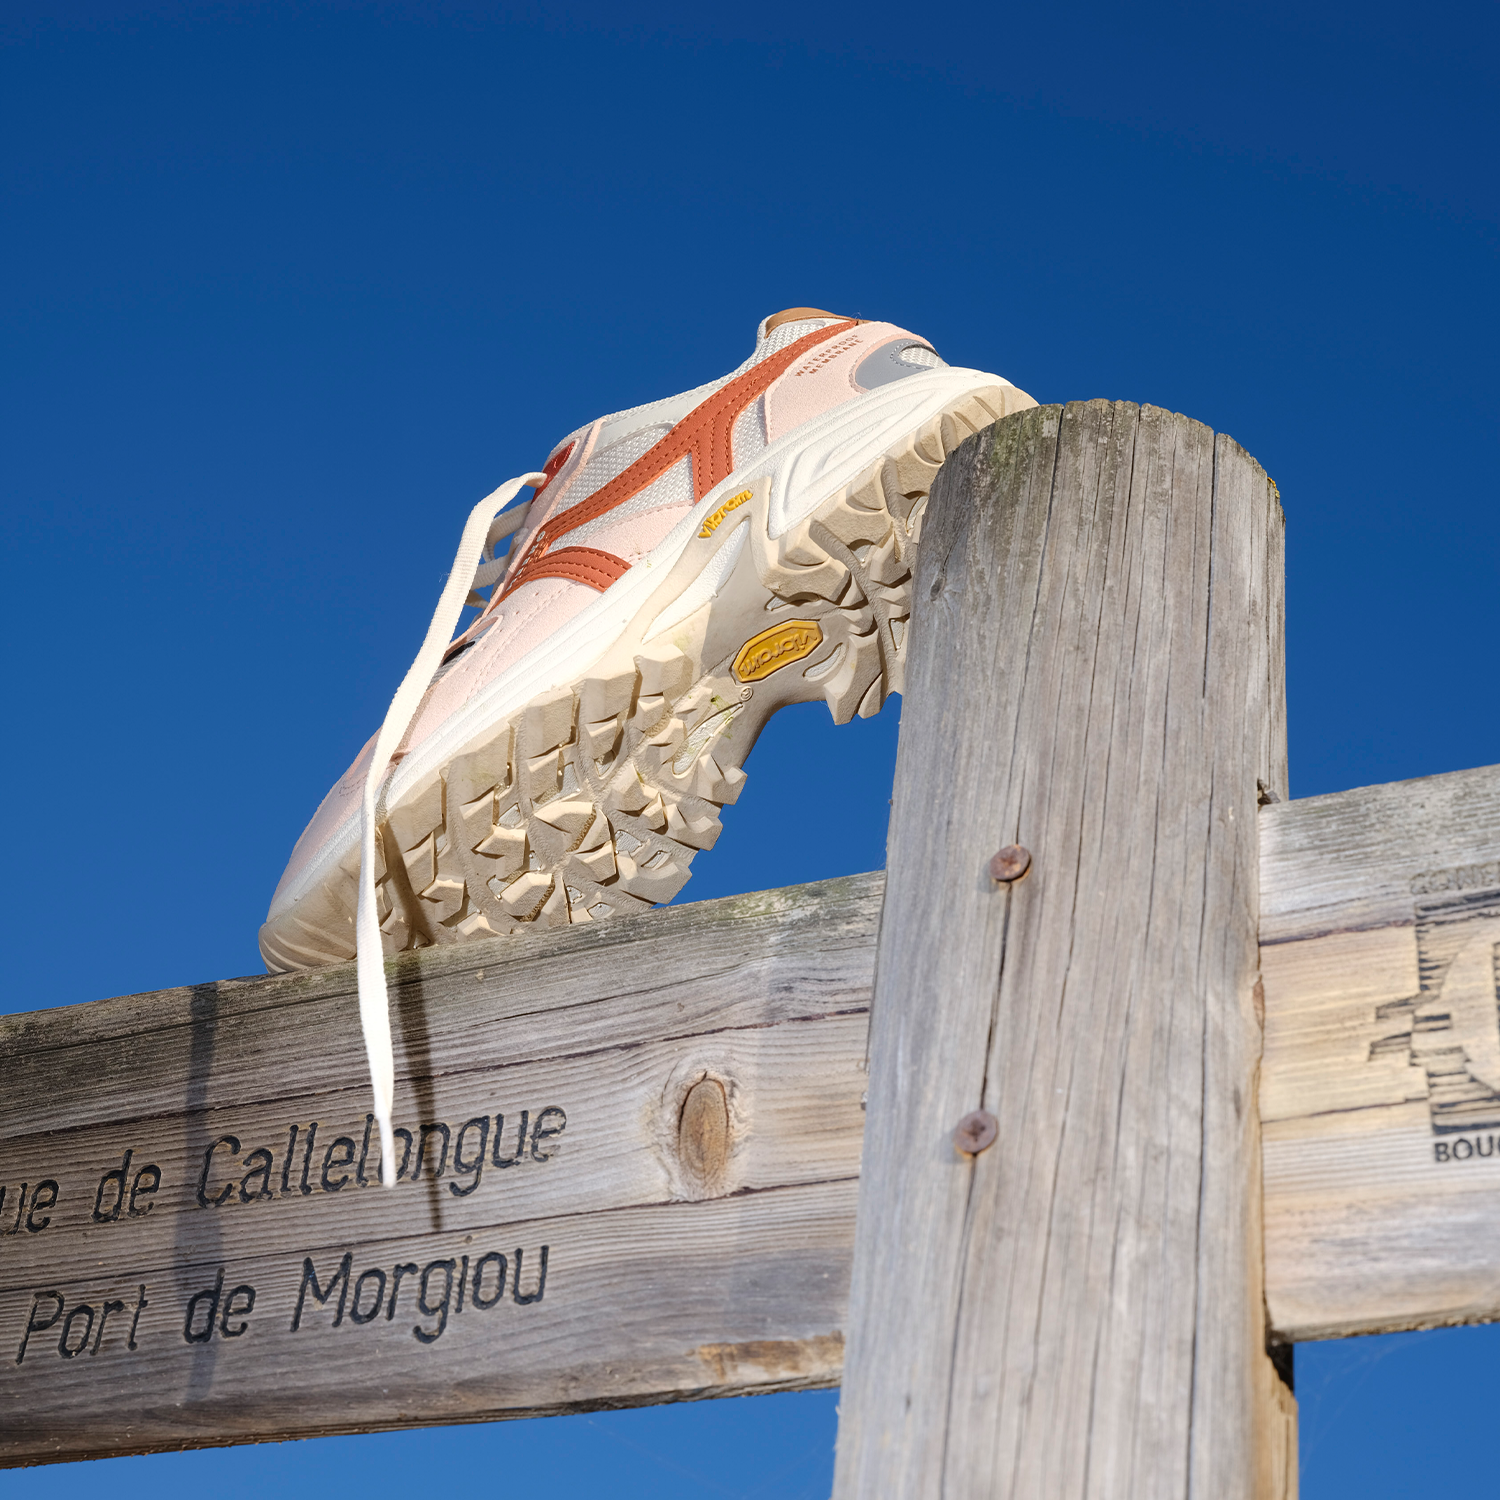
(474, 567)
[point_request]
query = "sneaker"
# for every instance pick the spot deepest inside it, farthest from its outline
(683, 570)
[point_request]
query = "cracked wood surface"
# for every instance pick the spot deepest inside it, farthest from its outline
(1380, 1096)
(666, 1108)
(1094, 674)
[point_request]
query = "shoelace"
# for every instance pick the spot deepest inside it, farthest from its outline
(474, 567)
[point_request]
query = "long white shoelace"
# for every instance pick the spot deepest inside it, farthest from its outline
(474, 566)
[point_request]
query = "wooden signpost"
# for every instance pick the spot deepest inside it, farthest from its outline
(1209, 1073)
(630, 1155)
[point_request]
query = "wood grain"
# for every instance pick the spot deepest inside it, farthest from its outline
(689, 1086)
(1094, 675)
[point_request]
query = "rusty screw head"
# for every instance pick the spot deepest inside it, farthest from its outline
(1011, 863)
(975, 1131)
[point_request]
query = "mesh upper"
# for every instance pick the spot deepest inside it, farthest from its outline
(672, 488)
(675, 487)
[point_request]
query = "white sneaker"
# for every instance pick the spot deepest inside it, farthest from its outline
(683, 570)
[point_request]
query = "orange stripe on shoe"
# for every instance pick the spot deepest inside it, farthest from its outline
(704, 435)
(580, 565)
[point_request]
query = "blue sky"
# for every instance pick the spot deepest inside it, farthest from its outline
(287, 287)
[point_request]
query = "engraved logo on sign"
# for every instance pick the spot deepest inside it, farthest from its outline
(776, 648)
(716, 520)
(1450, 1029)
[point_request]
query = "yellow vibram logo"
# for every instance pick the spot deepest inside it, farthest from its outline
(713, 523)
(774, 648)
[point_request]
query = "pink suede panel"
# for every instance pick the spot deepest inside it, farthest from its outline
(341, 804)
(532, 614)
(524, 621)
(825, 379)
(634, 536)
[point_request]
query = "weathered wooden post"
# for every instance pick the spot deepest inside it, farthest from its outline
(1096, 675)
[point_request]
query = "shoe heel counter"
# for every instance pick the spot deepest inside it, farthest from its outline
(824, 379)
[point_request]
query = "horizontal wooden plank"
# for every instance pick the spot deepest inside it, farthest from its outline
(1380, 1083)
(748, 961)
(664, 1111)
(648, 1304)
(1346, 861)
(693, 1248)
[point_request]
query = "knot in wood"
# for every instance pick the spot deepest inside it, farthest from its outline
(975, 1132)
(1010, 863)
(703, 1134)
